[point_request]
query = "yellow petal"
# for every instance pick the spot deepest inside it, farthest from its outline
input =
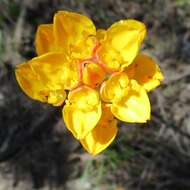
(82, 111)
(93, 75)
(101, 34)
(56, 70)
(122, 43)
(114, 86)
(44, 40)
(133, 104)
(145, 71)
(103, 134)
(30, 82)
(45, 77)
(74, 34)
(57, 97)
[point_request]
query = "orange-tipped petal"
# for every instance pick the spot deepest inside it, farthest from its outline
(93, 75)
(82, 111)
(145, 71)
(103, 134)
(132, 105)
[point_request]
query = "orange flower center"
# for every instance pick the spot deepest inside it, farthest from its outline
(91, 70)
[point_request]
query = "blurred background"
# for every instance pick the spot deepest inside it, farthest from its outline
(37, 152)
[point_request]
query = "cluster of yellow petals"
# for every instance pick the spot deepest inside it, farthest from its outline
(98, 75)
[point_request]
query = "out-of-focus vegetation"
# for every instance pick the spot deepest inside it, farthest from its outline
(36, 151)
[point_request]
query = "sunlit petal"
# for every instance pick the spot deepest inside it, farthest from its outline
(114, 86)
(30, 82)
(122, 43)
(103, 134)
(145, 71)
(44, 40)
(74, 34)
(132, 105)
(82, 111)
(45, 77)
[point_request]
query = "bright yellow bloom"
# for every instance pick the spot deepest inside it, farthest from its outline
(100, 76)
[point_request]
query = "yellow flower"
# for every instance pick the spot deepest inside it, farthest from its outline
(99, 74)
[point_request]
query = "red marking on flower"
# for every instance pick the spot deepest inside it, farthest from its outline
(93, 59)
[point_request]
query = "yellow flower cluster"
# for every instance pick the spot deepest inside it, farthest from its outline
(99, 75)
